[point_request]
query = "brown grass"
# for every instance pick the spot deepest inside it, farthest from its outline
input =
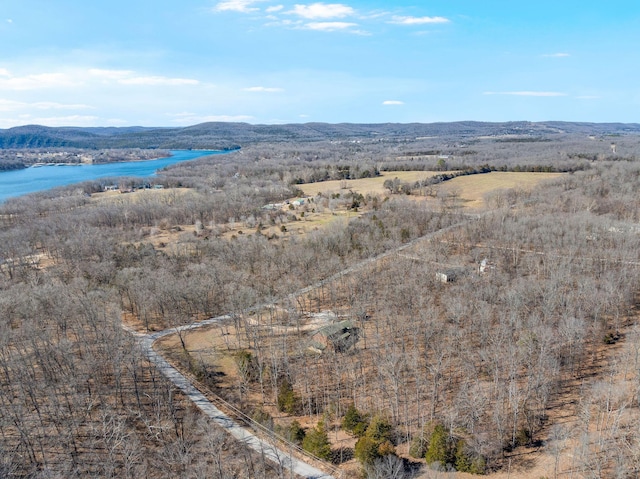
(473, 188)
(470, 189)
(366, 185)
(138, 195)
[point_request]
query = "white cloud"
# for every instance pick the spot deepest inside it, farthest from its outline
(71, 120)
(330, 26)
(127, 77)
(318, 11)
(110, 74)
(281, 23)
(51, 105)
(556, 55)
(242, 6)
(10, 105)
(393, 102)
(418, 20)
(375, 14)
(37, 81)
(263, 89)
(157, 80)
(275, 8)
(526, 93)
(4, 72)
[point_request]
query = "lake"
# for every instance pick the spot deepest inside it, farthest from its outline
(29, 180)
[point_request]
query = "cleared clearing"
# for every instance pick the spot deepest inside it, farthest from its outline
(469, 192)
(135, 197)
(473, 188)
(366, 185)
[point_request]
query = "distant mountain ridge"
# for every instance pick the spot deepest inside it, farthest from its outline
(220, 135)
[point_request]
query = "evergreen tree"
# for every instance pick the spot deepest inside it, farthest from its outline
(439, 449)
(288, 401)
(354, 422)
(316, 441)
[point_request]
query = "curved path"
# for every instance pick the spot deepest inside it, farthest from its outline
(282, 458)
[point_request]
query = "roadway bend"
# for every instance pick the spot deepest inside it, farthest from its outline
(276, 454)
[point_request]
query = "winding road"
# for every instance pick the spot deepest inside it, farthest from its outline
(282, 458)
(274, 452)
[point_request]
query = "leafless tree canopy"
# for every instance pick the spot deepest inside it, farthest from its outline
(492, 356)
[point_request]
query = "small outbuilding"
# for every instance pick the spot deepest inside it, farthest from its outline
(340, 337)
(450, 275)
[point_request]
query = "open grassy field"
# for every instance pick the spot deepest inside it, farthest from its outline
(366, 185)
(139, 196)
(469, 192)
(473, 188)
(470, 189)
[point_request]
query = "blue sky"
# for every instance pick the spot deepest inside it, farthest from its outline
(178, 63)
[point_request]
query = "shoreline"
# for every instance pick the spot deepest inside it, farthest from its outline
(19, 182)
(169, 154)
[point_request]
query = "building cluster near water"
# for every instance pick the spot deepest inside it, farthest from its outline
(131, 188)
(41, 157)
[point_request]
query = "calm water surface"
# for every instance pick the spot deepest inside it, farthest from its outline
(29, 180)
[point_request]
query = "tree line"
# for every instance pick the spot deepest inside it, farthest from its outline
(463, 372)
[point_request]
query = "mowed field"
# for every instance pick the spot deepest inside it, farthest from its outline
(471, 189)
(366, 186)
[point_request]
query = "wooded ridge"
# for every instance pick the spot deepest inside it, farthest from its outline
(218, 135)
(490, 327)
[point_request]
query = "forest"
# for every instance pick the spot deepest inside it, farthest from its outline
(18, 158)
(404, 332)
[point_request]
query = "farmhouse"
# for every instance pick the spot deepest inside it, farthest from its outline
(339, 336)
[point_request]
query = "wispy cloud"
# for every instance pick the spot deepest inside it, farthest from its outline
(392, 102)
(110, 74)
(330, 26)
(399, 20)
(242, 6)
(36, 81)
(4, 72)
(274, 9)
(129, 77)
(320, 11)
(263, 89)
(52, 105)
(556, 55)
(9, 20)
(157, 80)
(10, 105)
(527, 93)
(71, 120)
